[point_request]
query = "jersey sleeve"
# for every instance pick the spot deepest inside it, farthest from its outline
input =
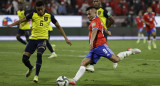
(29, 16)
(94, 25)
(53, 19)
(106, 13)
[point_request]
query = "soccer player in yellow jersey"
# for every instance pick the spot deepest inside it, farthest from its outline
(24, 28)
(39, 35)
(107, 20)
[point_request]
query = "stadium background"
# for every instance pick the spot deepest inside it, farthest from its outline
(124, 12)
(137, 70)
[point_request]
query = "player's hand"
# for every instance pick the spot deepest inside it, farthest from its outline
(69, 42)
(109, 33)
(91, 46)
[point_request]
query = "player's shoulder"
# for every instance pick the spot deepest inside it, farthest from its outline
(97, 19)
(146, 13)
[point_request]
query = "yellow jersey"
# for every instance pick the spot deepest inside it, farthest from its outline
(24, 25)
(50, 28)
(40, 25)
(103, 15)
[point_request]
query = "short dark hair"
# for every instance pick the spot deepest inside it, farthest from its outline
(39, 3)
(90, 8)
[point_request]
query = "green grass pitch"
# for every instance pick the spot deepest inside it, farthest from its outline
(137, 70)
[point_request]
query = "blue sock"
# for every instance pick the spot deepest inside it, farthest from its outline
(21, 40)
(39, 60)
(49, 47)
(26, 62)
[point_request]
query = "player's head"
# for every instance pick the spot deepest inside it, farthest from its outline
(149, 9)
(40, 8)
(91, 13)
(96, 3)
(20, 6)
(140, 13)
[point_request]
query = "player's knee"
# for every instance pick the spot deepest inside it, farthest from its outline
(85, 62)
(116, 60)
(25, 58)
(40, 50)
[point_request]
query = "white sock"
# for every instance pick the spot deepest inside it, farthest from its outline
(142, 35)
(80, 73)
(53, 52)
(149, 42)
(154, 40)
(124, 54)
(139, 36)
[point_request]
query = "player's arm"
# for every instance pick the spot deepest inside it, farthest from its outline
(109, 17)
(108, 32)
(155, 20)
(63, 33)
(17, 22)
(93, 36)
(55, 22)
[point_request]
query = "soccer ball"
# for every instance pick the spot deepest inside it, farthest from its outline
(62, 81)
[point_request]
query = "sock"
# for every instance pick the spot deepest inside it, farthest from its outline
(142, 35)
(26, 62)
(39, 60)
(21, 40)
(149, 42)
(139, 36)
(49, 47)
(124, 54)
(80, 73)
(154, 40)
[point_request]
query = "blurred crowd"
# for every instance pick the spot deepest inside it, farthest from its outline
(77, 7)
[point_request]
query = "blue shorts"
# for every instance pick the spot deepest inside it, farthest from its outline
(23, 32)
(32, 45)
(151, 31)
(98, 52)
(140, 30)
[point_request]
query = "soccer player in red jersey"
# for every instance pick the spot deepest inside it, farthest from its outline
(149, 19)
(98, 46)
(140, 20)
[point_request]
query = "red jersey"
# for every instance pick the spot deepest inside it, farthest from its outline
(139, 21)
(99, 39)
(150, 18)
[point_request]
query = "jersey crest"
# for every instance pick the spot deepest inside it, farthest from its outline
(45, 18)
(99, 12)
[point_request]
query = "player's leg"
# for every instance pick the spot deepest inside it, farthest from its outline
(30, 48)
(40, 50)
(90, 58)
(53, 54)
(154, 38)
(18, 36)
(27, 34)
(120, 56)
(81, 71)
(149, 40)
(139, 35)
(142, 35)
